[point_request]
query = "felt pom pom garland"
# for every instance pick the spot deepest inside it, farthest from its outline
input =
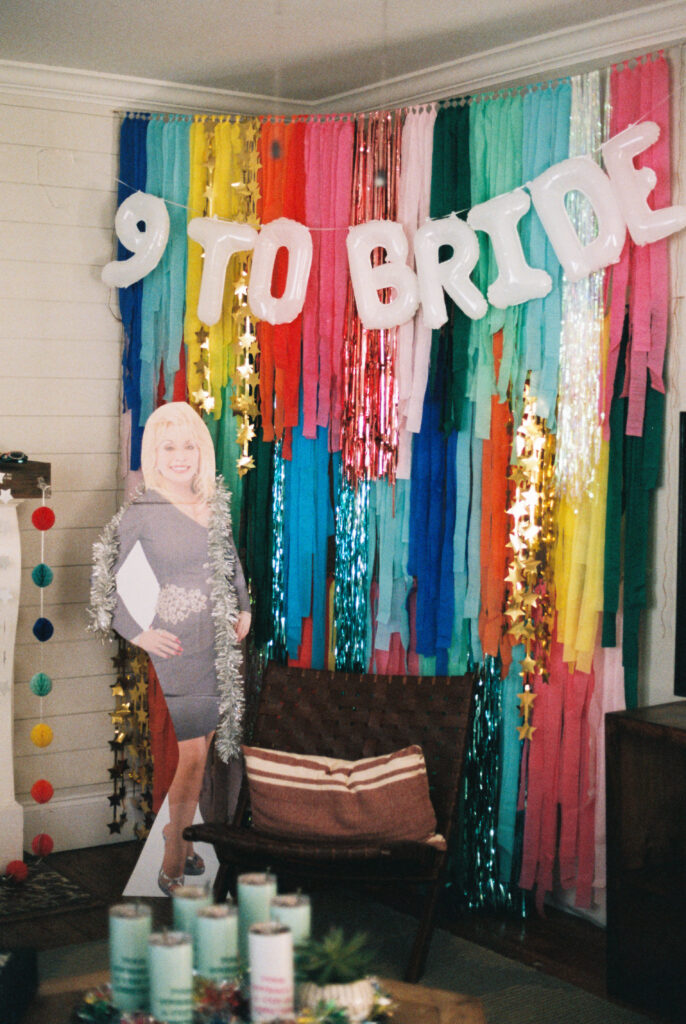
(43, 519)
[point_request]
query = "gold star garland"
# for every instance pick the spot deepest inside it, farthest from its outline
(530, 605)
(132, 738)
(202, 399)
(245, 376)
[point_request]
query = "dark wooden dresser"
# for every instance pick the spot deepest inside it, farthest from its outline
(646, 857)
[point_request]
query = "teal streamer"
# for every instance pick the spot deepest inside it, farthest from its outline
(479, 883)
(278, 650)
(350, 591)
(510, 755)
(164, 288)
(545, 142)
(388, 544)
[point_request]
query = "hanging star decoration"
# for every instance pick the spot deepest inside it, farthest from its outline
(246, 375)
(526, 702)
(5, 495)
(529, 580)
(131, 742)
(201, 398)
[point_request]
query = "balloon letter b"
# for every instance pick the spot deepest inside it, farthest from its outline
(516, 281)
(633, 185)
(548, 192)
(394, 274)
(451, 274)
(288, 234)
(147, 245)
(220, 239)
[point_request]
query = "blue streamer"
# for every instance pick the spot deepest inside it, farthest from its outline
(133, 176)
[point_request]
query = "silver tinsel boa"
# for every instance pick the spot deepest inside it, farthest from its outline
(228, 657)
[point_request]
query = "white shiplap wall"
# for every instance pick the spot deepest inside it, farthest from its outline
(60, 343)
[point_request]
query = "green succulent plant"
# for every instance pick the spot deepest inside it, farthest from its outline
(334, 960)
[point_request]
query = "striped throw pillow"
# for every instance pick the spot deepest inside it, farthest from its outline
(303, 797)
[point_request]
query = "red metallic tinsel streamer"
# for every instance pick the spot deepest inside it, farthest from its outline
(369, 424)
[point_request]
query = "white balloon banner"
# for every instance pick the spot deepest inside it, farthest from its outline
(388, 294)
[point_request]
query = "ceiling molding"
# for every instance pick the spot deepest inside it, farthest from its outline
(569, 51)
(121, 92)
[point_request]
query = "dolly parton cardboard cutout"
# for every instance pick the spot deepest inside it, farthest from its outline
(163, 583)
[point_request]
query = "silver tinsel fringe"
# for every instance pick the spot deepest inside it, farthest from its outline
(228, 656)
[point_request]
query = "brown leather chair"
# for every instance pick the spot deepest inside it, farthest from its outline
(350, 716)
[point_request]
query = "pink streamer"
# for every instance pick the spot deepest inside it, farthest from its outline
(641, 93)
(328, 183)
(414, 338)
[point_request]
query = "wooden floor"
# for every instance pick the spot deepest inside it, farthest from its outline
(559, 944)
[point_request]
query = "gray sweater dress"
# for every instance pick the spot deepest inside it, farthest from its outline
(176, 549)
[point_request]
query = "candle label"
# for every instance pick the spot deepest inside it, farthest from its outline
(224, 969)
(176, 1006)
(130, 975)
(130, 926)
(271, 971)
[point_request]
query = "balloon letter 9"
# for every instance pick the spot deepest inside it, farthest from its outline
(548, 192)
(633, 185)
(516, 281)
(220, 239)
(147, 245)
(369, 280)
(451, 274)
(295, 237)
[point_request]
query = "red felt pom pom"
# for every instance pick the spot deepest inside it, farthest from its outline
(17, 870)
(42, 844)
(43, 518)
(42, 791)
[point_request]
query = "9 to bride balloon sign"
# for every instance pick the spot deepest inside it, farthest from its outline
(390, 293)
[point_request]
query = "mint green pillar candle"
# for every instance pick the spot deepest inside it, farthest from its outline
(188, 900)
(130, 927)
(255, 892)
(293, 909)
(216, 942)
(170, 962)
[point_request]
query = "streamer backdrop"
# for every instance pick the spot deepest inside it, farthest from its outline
(417, 501)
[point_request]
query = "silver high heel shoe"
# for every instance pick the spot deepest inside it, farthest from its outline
(169, 885)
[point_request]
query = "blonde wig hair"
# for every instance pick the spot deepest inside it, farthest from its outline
(180, 416)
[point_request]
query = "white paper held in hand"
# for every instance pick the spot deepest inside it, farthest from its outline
(138, 587)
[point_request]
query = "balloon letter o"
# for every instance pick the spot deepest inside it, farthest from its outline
(288, 234)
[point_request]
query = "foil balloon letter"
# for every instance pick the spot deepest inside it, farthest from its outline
(516, 282)
(633, 185)
(452, 274)
(548, 193)
(220, 239)
(394, 274)
(142, 226)
(287, 234)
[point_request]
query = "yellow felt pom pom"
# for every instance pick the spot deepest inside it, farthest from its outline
(41, 735)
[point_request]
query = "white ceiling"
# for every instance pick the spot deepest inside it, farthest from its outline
(307, 51)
